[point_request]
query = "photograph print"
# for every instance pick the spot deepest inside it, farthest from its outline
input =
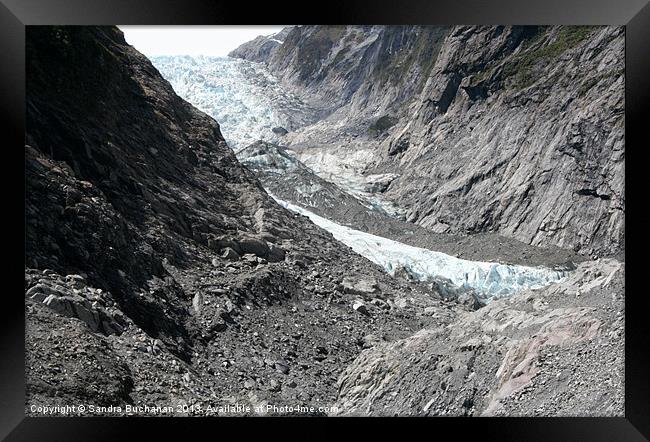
(316, 220)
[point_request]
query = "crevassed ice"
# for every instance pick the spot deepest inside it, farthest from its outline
(277, 164)
(245, 99)
(344, 168)
(248, 102)
(491, 279)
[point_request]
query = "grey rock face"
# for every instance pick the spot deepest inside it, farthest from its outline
(133, 193)
(514, 130)
(543, 352)
(343, 65)
(262, 47)
(539, 157)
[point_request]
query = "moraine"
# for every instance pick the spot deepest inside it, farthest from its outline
(249, 102)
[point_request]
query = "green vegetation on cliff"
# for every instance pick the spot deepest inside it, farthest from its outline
(520, 67)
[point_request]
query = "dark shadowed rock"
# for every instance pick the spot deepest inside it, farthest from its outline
(256, 246)
(276, 254)
(280, 131)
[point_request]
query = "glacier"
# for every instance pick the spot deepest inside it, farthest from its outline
(490, 279)
(346, 170)
(246, 100)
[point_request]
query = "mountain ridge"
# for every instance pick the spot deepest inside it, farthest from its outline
(157, 267)
(159, 271)
(476, 95)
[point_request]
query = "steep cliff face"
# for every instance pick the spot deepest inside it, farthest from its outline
(157, 267)
(524, 139)
(262, 47)
(366, 69)
(514, 130)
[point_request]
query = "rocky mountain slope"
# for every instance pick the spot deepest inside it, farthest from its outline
(262, 47)
(160, 273)
(286, 177)
(553, 351)
(514, 130)
(158, 270)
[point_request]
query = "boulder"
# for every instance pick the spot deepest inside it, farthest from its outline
(217, 327)
(256, 246)
(282, 367)
(222, 242)
(279, 130)
(197, 303)
(276, 254)
(76, 281)
(359, 286)
(360, 307)
(230, 254)
(274, 385)
(41, 291)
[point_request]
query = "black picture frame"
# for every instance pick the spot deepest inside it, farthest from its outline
(633, 14)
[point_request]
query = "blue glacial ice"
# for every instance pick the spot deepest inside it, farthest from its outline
(246, 100)
(490, 279)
